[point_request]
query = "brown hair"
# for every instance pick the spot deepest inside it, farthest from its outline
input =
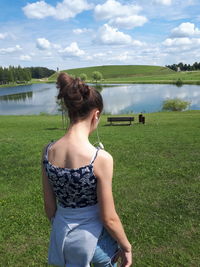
(79, 98)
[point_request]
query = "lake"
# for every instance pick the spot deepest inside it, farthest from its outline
(118, 99)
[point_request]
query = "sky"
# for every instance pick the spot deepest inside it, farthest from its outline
(69, 34)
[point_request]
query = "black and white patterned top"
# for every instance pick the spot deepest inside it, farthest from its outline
(75, 188)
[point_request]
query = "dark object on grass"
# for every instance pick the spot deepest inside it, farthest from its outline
(120, 119)
(141, 119)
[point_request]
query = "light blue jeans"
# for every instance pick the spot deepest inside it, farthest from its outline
(105, 250)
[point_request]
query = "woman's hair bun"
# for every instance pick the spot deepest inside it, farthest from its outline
(78, 97)
(73, 91)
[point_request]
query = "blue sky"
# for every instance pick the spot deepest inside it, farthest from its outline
(80, 33)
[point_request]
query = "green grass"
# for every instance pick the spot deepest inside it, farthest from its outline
(155, 185)
(16, 84)
(44, 80)
(116, 71)
(136, 74)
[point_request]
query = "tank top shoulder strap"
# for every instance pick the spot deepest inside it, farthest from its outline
(95, 155)
(47, 148)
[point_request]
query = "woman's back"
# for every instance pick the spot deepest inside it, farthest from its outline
(74, 187)
(70, 152)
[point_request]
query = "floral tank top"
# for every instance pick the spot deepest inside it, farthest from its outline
(75, 188)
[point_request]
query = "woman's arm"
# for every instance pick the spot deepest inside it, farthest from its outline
(48, 194)
(104, 171)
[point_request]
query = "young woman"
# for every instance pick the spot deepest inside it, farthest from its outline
(77, 186)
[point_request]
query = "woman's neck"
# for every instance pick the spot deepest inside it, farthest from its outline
(79, 131)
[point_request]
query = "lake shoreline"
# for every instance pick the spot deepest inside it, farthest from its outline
(44, 114)
(24, 84)
(196, 82)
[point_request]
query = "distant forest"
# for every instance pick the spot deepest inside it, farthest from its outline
(22, 75)
(40, 72)
(184, 67)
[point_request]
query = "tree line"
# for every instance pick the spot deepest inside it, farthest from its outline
(40, 72)
(184, 67)
(22, 75)
(14, 75)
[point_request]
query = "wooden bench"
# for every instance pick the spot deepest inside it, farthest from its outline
(120, 119)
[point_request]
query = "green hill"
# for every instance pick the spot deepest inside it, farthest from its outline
(135, 74)
(118, 71)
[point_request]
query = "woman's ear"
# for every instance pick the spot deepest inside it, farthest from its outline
(95, 117)
(97, 114)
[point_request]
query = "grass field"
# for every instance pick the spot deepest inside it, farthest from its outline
(136, 74)
(156, 187)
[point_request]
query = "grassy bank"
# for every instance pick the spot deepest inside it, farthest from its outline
(156, 187)
(15, 84)
(136, 74)
(45, 80)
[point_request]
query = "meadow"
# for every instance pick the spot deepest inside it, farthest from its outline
(136, 74)
(155, 185)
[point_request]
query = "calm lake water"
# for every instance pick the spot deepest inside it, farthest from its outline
(118, 99)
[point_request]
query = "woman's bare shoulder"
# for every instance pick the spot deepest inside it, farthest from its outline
(104, 156)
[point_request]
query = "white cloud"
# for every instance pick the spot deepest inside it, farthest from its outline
(3, 36)
(88, 57)
(43, 44)
(56, 46)
(111, 9)
(79, 31)
(49, 54)
(10, 49)
(112, 36)
(6, 35)
(122, 16)
(128, 22)
(177, 41)
(25, 57)
(110, 56)
(72, 51)
(185, 29)
(38, 10)
(124, 56)
(69, 9)
(187, 47)
(99, 55)
(183, 42)
(63, 10)
(138, 43)
(120, 56)
(163, 2)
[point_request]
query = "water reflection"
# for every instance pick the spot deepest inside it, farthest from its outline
(147, 97)
(17, 97)
(118, 99)
(41, 98)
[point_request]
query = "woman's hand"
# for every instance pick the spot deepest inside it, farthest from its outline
(123, 257)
